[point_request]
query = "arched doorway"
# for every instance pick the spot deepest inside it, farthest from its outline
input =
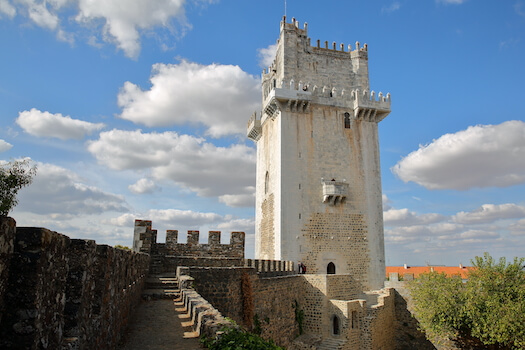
(335, 325)
(330, 269)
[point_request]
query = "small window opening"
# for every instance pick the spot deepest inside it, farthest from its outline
(330, 269)
(347, 120)
(354, 320)
(266, 182)
(335, 325)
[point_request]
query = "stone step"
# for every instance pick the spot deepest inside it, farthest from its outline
(162, 282)
(161, 287)
(152, 294)
(331, 344)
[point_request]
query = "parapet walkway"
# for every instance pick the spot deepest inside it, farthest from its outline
(159, 323)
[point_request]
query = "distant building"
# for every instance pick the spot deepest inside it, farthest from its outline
(407, 273)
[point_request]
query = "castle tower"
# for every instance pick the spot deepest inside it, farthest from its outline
(318, 197)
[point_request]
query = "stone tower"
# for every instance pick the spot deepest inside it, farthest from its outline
(318, 197)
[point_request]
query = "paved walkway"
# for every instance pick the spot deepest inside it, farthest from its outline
(157, 325)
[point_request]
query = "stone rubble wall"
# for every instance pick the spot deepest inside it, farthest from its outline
(408, 334)
(269, 300)
(63, 293)
(207, 320)
(7, 235)
(145, 240)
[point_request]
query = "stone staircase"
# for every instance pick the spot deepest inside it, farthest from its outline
(331, 344)
(161, 287)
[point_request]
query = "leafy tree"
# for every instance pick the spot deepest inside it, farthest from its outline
(488, 310)
(238, 339)
(13, 176)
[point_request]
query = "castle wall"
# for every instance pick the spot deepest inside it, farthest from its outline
(145, 241)
(7, 235)
(244, 296)
(64, 292)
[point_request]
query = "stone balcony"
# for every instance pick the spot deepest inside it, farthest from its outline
(334, 192)
(254, 128)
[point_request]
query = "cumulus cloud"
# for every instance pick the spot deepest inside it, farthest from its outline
(4, 146)
(518, 228)
(481, 156)
(7, 9)
(239, 200)
(61, 193)
(123, 19)
(121, 22)
(489, 213)
(220, 97)
(267, 55)
(404, 217)
(143, 186)
(176, 218)
(45, 124)
(186, 160)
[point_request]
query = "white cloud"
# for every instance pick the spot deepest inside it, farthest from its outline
(40, 14)
(220, 97)
(519, 8)
(143, 186)
(239, 200)
(7, 9)
(393, 7)
(489, 213)
(4, 146)
(267, 55)
(190, 162)
(455, 2)
(173, 218)
(518, 228)
(120, 21)
(404, 217)
(481, 156)
(45, 124)
(61, 193)
(123, 19)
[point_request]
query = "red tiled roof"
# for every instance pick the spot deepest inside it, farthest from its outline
(417, 270)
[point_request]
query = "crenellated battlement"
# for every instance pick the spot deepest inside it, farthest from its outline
(367, 107)
(145, 240)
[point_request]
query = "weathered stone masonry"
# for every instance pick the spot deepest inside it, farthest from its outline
(61, 293)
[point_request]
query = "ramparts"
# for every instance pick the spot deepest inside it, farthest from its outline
(62, 293)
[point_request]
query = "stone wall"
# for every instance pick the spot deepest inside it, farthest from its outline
(64, 293)
(408, 335)
(265, 305)
(7, 235)
(145, 240)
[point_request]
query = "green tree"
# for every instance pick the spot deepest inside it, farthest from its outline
(488, 310)
(238, 339)
(13, 176)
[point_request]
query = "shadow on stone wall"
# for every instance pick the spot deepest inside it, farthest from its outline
(408, 335)
(62, 293)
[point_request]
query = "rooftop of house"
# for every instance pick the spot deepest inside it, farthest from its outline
(418, 270)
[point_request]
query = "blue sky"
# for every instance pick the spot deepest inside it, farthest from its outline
(137, 109)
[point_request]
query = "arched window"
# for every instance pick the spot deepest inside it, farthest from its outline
(347, 120)
(335, 325)
(330, 269)
(266, 182)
